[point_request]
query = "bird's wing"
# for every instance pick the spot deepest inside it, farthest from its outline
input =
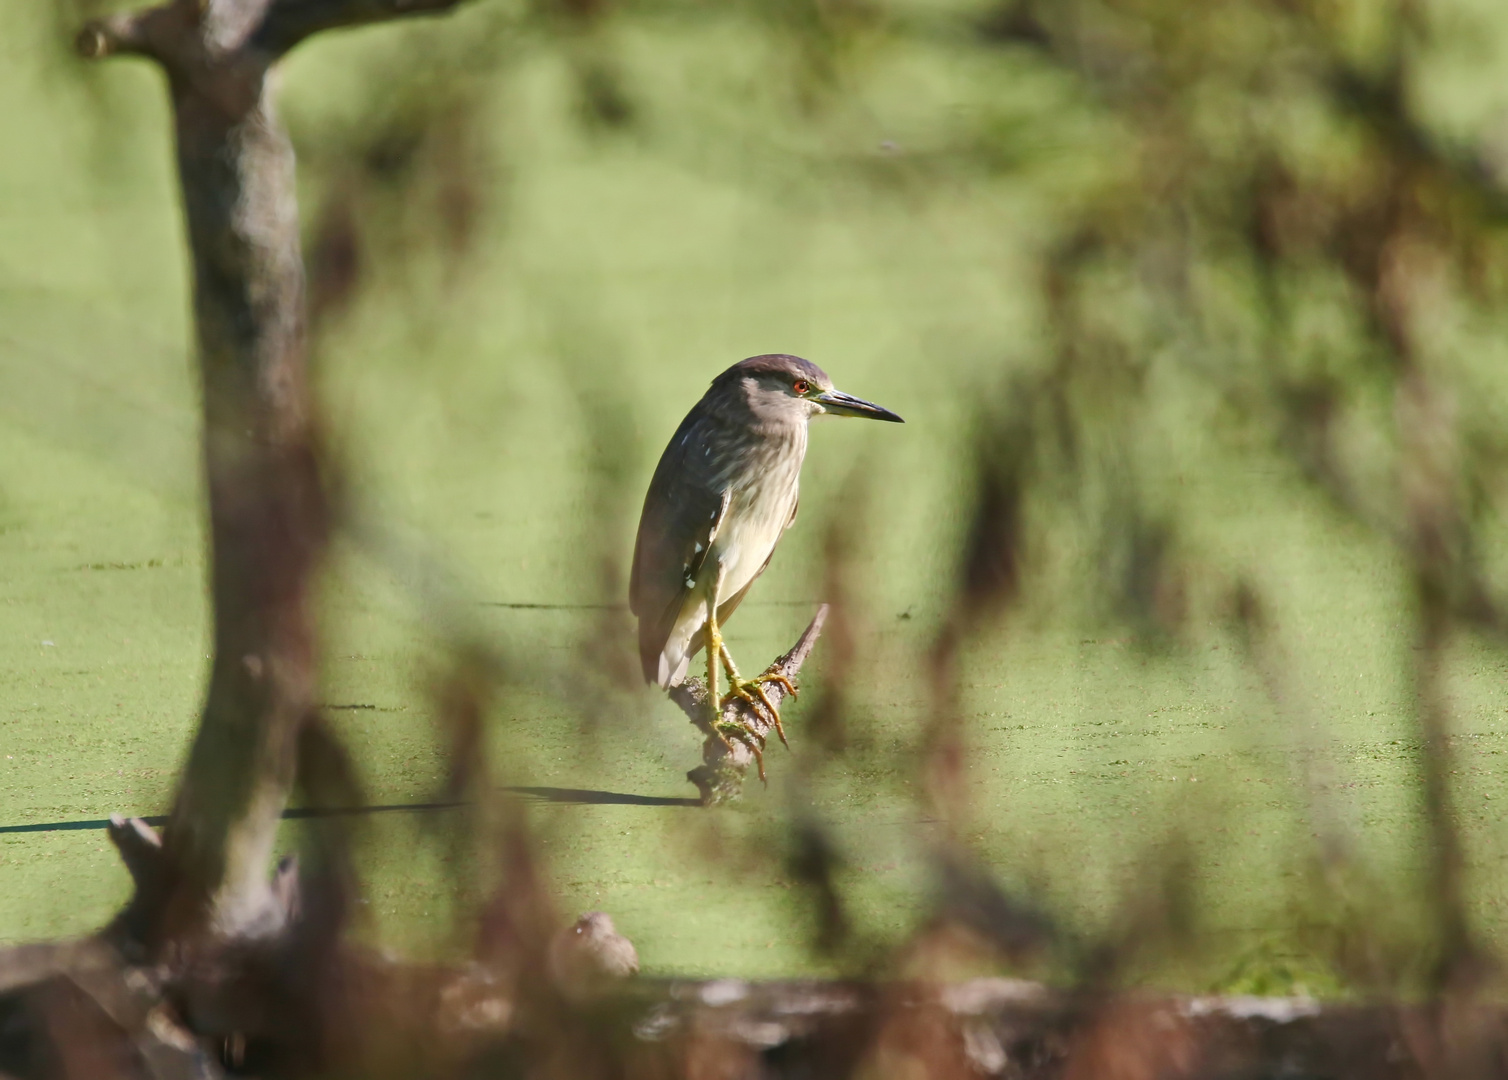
(682, 512)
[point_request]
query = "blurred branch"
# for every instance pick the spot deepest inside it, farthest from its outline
(127, 33)
(179, 31)
(1382, 103)
(89, 1013)
(291, 21)
(1397, 238)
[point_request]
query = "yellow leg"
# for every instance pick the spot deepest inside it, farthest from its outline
(714, 642)
(717, 650)
(714, 648)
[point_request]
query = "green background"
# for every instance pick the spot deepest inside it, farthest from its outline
(498, 406)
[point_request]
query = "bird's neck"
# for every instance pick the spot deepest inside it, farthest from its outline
(760, 452)
(781, 431)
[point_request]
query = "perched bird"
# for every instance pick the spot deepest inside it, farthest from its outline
(722, 496)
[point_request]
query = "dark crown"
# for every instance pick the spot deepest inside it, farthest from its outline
(792, 367)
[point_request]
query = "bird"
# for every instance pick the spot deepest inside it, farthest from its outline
(589, 956)
(723, 494)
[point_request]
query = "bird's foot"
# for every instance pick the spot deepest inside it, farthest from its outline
(752, 691)
(776, 676)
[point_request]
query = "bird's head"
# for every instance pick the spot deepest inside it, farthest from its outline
(594, 924)
(778, 386)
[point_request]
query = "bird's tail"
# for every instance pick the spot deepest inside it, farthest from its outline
(663, 660)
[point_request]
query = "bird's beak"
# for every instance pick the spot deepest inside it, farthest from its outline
(840, 404)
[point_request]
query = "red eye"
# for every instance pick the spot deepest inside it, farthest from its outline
(801, 386)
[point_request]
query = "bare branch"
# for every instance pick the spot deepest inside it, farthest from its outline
(291, 21)
(720, 776)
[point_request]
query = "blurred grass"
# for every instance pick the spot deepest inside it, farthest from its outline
(499, 401)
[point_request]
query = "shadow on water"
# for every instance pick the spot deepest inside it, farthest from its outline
(576, 796)
(600, 798)
(532, 606)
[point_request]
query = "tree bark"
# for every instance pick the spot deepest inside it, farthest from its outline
(268, 503)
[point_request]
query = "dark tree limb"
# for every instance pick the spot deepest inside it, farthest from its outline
(291, 21)
(268, 505)
(173, 32)
(720, 776)
(124, 34)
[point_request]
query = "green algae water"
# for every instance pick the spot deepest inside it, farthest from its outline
(497, 401)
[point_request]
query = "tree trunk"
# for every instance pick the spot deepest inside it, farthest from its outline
(268, 507)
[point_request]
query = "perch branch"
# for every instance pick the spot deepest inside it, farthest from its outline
(126, 33)
(720, 776)
(118, 35)
(291, 21)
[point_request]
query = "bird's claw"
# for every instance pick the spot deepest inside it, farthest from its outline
(752, 692)
(790, 688)
(741, 691)
(749, 738)
(781, 678)
(756, 684)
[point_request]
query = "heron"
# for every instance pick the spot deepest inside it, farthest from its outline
(724, 493)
